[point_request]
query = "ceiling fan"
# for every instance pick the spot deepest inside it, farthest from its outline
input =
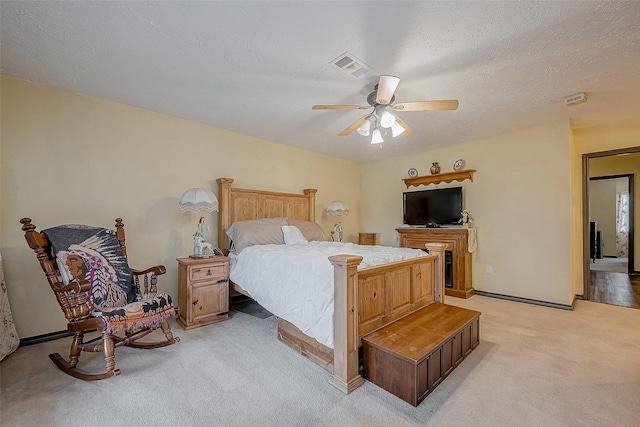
(383, 116)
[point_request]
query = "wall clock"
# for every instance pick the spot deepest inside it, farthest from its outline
(458, 165)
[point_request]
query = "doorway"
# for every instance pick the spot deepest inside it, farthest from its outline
(607, 240)
(609, 218)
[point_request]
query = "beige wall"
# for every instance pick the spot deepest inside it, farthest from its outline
(67, 158)
(619, 165)
(70, 158)
(519, 202)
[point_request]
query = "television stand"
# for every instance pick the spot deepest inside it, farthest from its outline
(458, 266)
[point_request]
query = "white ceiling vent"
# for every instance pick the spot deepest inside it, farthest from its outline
(351, 65)
(578, 98)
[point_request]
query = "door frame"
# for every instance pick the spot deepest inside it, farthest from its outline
(586, 271)
(631, 238)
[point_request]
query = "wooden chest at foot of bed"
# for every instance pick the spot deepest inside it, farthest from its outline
(413, 355)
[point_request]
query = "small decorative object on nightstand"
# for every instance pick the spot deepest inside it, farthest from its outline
(203, 291)
(370, 239)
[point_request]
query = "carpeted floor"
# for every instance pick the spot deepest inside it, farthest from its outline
(535, 366)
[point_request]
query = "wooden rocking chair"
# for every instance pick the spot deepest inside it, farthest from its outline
(79, 297)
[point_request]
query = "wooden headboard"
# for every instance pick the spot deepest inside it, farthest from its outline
(240, 204)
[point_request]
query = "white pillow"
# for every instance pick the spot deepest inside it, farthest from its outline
(293, 235)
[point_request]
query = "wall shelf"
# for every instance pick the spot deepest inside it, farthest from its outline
(440, 177)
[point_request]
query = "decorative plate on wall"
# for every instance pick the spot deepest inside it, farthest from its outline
(413, 172)
(458, 165)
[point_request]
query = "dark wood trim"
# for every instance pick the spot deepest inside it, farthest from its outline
(38, 339)
(632, 213)
(586, 272)
(586, 260)
(527, 300)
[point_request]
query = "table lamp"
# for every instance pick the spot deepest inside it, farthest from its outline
(198, 200)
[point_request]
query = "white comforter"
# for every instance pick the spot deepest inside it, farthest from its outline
(295, 282)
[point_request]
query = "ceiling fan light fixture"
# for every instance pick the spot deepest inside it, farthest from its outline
(397, 129)
(365, 128)
(386, 118)
(376, 137)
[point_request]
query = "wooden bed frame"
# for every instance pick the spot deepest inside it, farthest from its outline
(364, 300)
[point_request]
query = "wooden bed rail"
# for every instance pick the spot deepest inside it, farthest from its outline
(374, 297)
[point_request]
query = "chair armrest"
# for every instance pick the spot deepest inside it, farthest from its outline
(149, 286)
(74, 299)
(156, 269)
(78, 286)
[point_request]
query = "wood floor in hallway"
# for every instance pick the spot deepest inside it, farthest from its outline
(615, 288)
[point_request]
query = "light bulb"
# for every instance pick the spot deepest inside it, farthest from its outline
(397, 129)
(387, 119)
(365, 128)
(376, 136)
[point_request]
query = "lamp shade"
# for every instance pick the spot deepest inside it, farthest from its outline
(397, 129)
(198, 199)
(365, 128)
(376, 136)
(337, 208)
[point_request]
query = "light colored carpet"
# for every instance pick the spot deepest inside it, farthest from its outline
(535, 366)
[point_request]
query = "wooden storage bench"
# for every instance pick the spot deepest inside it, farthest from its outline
(410, 357)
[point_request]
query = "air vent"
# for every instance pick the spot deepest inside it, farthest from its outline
(578, 98)
(351, 65)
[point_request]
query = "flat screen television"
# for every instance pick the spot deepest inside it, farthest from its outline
(432, 208)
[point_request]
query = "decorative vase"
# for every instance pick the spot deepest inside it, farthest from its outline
(435, 168)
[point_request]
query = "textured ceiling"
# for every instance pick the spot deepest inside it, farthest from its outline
(258, 67)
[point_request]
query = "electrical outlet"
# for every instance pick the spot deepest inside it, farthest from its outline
(488, 269)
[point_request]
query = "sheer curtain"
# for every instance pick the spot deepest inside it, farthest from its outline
(8, 335)
(622, 225)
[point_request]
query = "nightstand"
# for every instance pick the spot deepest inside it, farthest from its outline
(203, 291)
(368, 239)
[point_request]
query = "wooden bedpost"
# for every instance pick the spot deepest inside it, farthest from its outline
(311, 193)
(437, 249)
(224, 215)
(346, 376)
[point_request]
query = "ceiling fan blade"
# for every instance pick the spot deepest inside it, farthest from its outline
(386, 88)
(340, 107)
(407, 130)
(353, 127)
(427, 105)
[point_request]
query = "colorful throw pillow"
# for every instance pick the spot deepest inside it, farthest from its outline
(94, 254)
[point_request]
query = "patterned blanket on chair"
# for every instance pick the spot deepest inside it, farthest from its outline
(148, 313)
(94, 254)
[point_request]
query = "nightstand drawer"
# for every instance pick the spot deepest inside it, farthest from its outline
(208, 272)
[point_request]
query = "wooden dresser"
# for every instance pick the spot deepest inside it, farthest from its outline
(458, 274)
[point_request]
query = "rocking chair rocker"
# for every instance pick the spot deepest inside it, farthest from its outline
(88, 272)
